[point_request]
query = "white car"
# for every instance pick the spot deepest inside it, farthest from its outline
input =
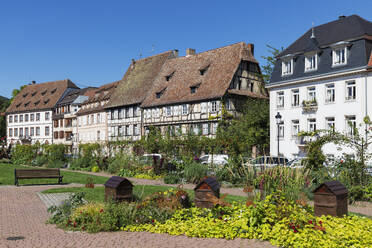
(149, 158)
(216, 159)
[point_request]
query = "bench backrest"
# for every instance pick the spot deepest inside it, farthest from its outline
(37, 172)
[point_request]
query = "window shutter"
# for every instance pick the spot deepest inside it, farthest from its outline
(204, 107)
(209, 107)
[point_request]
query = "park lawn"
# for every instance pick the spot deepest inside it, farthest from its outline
(7, 177)
(140, 191)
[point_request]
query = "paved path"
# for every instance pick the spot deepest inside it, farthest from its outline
(22, 224)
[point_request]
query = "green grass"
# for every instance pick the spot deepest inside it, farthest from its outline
(7, 177)
(141, 191)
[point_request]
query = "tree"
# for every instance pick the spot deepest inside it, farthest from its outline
(15, 92)
(240, 135)
(4, 104)
(267, 69)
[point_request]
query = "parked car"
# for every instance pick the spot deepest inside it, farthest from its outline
(216, 159)
(148, 159)
(297, 162)
(269, 161)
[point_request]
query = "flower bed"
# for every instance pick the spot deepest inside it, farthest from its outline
(282, 222)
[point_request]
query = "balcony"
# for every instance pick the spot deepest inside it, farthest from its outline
(310, 106)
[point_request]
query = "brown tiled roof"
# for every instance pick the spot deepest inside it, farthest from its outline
(218, 67)
(138, 80)
(103, 93)
(247, 93)
(40, 96)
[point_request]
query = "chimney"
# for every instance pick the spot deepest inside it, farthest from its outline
(133, 63)
(175, 53)
(33, 82)
(190, 51)
(341, 17)
(251, 48)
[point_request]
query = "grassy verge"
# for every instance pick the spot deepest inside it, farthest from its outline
(141, 191)
(7, 177)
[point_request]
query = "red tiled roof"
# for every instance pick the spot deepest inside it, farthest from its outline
(179, 74)
(40, 96)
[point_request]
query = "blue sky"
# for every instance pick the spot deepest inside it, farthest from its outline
(92, 42)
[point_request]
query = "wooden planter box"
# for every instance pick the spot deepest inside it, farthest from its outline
(330, 198)
(118, 189)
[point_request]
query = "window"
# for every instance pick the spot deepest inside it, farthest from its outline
(16, 118)
(26, 117)
(20, 118)
(196, 129)
(193, 89)
(311, 94)
(287, 67)
(295, 98)
(169, 111)
(295, 127)
(10, 132)
(280, 99)
(32, 117)
(47, 116)
(121, 113)
(135, 129)
(311, 127)
(98, 135)
(32, 131)
(15, 132)
(98, 118)
(185, 109)
(214, 128)
(330, 123)
(38, 117)
(37, 131)
(47, 131)
(311, 62)
(228, 104)
(330, 93)
(339, 56)
(205, 130)
(21, 132)
(26, 131)
(10, 119)
(281, 129)
(350, 91)
(214, 106)
(56, 135)
(350, 125)
(92, 119)
(127, 132)
(112, 114)
(121, 131)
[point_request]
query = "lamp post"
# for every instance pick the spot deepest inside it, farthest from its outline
(278, 119)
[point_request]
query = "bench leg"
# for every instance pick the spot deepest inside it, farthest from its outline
(16, 182)
(59, 180)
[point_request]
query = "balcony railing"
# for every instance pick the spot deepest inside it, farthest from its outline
(309, 106)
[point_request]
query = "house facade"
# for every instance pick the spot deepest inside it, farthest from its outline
(29, 117)
(321, 81)
(190, 92)
(92, 118)
(65, 120)
(125, 117)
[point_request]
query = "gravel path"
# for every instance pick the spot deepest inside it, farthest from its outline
(22, 224)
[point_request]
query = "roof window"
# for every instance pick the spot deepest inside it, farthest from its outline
(54, 90)
(25, 94)
(33, 93)
(27, 103)
(19, 104)
(44, 92)
(194, 87)
(46, 101)
(169, 76)
(203, 70)
(37, 102)
(160, 93)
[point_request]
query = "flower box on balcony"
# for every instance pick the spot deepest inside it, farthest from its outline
(310, 105)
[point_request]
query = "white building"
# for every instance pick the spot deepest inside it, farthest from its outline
(29, 117)
(322, 81)
(92, 117)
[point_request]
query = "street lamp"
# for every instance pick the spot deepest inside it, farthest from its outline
(278, 119)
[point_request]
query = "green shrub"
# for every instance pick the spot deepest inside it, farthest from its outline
(195, 172)
(24, 154)
(39, 161)
(56, 164)
(124, 172)
(119, 162)
(172, 178)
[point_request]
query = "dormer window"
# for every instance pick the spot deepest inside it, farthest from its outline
(203, 70)
(53, 91)
(27, 103)
(25, 94)
(160, 93)
(287, 67)
(169, 76)
(46, 101)
(33, 93)
(194, 87)
(44, 92)
(37, 102)
(339, 56)
(311, 62)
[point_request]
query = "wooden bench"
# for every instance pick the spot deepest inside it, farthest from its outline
(36, 173)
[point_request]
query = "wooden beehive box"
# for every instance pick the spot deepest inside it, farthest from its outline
(118, 189)
(330, 198)
(205, 191)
